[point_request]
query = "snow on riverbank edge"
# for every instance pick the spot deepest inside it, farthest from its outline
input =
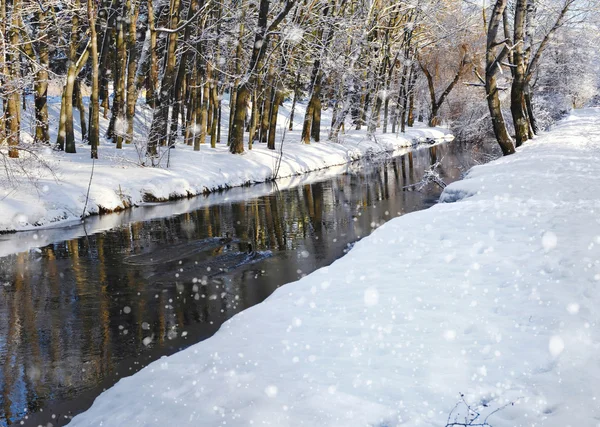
(495, 296)
(57, 194)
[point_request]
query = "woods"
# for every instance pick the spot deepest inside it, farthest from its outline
(377, 65)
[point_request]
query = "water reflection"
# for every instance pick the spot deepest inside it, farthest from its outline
(77, 315)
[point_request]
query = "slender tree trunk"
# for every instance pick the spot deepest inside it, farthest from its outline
(41, 80)
(238, 70)
(315, 130)
(78, 101)
(412, 77)
(386, 109)
(205, 105)
(220, 112)
(214, 97)
(313, 103)
(66, 137)
(116, 127)
(152, 86)
(239, 120)
(266, 107)
(158, 129)
(94, 131)
(13, 104)
(491, 86)
(104, 56)
(293, 109)
(366, 101)
(191, 111)
(517, 93)
(277, 100)
(308, 118)
(4, 57)
(132, 65)
(530, 113)
(199, 106)
(261, 41)
(253, 132)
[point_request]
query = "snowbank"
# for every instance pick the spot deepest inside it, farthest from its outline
(56, 193)
(495, 296)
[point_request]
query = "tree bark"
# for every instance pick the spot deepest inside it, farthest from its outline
(152, 84)
(117, 118)
(293, 109)
(41, 80)
(132, 65)
(493, 61)
(94, 131)
(158, 128)
(214, 98)
(276, 101)
(78, 101)
(13, 104)
(261, 41)
(66, 137)
(517, 93)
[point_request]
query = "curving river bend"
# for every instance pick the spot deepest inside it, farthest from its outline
(83, 306)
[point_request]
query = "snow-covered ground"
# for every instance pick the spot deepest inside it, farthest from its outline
(494, 296)
(56, 192)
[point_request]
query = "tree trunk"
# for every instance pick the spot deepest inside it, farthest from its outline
(94, 131)
(253, 132)
(315, 130)
(498, 123)
(13, 104)
(277, 99)
(132, 65)
(530, 113)
(191, 111)
(104, 57)
(66, 137)
(41, 80)
(292, 110)
(13, 65)
(386, 109)
(152, 81)
(517, 93)
(238, 70)
(236, 145)
(214, 98)
(265, 117)
(78, 101)
(204, 110)
(261, 40)
(116, 127)
(491, 87)
(308, 118)
(158, 129)
(412, 77)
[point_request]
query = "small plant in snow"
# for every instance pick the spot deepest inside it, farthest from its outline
(465, 414)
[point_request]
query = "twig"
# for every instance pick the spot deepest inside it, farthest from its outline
(473, 414)
(280, 158)
(87, 196)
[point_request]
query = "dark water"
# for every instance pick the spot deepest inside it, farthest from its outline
(78, 314)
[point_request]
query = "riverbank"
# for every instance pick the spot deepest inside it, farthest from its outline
(56, 192)
(493, 296)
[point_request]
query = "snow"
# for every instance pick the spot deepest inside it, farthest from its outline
(55, 193)
(492, 295)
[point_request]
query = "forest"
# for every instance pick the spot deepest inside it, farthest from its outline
(509, 67)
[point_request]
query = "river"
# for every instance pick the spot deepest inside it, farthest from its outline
(83, 306)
